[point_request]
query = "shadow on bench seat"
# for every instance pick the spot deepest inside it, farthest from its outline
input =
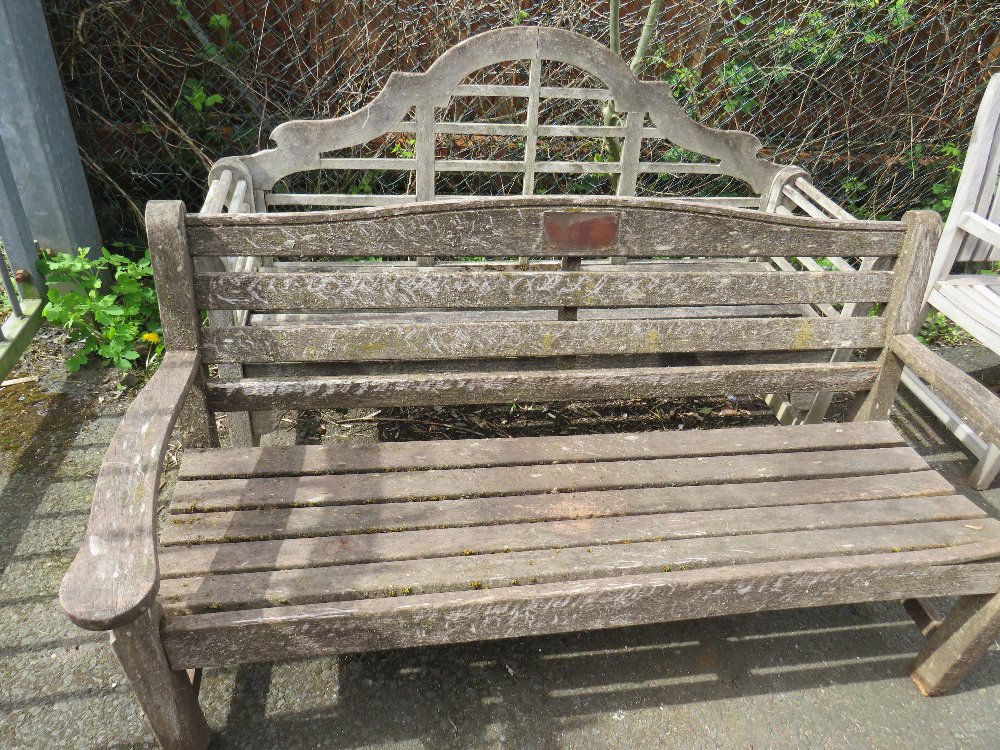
(261, 541)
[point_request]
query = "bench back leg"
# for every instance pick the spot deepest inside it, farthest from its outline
(961, 640)
(167, 696)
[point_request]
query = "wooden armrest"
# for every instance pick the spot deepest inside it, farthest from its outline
(973, 402)
(115, 575)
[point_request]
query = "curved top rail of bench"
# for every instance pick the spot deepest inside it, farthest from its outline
(299, 144)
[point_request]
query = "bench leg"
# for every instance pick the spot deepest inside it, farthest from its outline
(954, 646)
(987, 468)
(167, 696)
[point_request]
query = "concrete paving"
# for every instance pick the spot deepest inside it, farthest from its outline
(822, 678)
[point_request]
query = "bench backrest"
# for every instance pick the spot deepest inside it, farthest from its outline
(393, 335)
(498, 113)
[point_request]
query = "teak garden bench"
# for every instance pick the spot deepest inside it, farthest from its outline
(273, 553)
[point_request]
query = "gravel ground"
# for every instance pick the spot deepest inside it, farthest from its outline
(821, 678)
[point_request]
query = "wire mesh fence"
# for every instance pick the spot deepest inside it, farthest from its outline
(874, 97)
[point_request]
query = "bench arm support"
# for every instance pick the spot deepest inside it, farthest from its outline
(115, 576)
(973, 402)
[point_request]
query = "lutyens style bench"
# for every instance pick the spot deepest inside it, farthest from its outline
(274, 553)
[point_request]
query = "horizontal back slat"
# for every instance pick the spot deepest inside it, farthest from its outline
(458, 315)
(503, 387)
(364, 199)
(528, 364)
(486, 289)
(429, 341)
(503, 227)
(512, 167)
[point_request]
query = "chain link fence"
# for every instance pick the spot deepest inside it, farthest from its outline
(874, 97)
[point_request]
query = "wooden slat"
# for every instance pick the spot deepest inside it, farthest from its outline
(215, 200)
(531, 118)
(547, 167)
(371, 580)
(354, 200)
(418, 315)
(427, 341)
(982, 229)
(512, 226)
(546, 92)
(973, 402)
(441, 454)
(609, 366)
(408, 486)
(285, 553)
(484, 289)
(518, 129)
(487, 388)
(832, 208)
(424, 151)
(273, 525)
(288, 632)
(537, 264)
(333, 199)
(630, 150)
(489, 165)
(383, 163)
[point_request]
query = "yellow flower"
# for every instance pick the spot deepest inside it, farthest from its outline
(151, 337)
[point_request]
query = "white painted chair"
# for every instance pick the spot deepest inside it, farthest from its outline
(971, 235)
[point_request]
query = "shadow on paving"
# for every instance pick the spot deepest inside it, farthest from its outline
(527, 693)
(37, 430)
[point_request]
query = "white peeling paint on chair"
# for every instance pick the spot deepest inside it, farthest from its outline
(971, 234)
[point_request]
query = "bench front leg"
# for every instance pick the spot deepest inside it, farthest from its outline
(954, 646)
(166, 695)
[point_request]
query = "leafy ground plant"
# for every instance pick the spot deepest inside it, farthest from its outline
(939, 330)
(119, 323)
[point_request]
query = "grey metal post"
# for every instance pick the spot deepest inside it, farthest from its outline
(36, 128)
(15, 233)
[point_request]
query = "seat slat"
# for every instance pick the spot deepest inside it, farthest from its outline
(272, 525)
(454, 454)
(371, 624)
(311, 585)
(402, 486)
(460, 386)
(489, 289)
(319, 551)
(428, 341)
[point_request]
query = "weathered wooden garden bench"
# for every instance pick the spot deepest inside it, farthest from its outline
(272, 553)
(269, 553)
(463, 127)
